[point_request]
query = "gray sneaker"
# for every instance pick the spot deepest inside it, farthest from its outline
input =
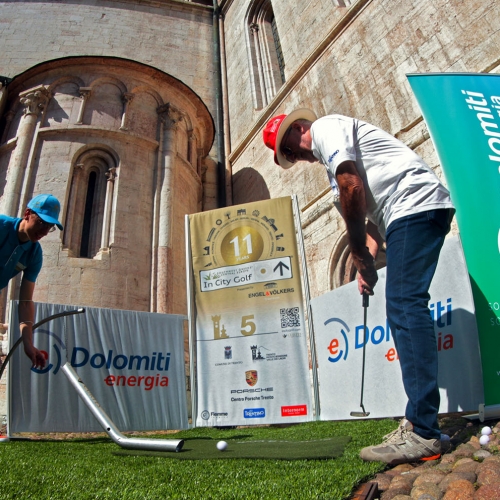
(402, 446)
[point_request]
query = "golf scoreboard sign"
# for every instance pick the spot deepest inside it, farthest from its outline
(251, 348)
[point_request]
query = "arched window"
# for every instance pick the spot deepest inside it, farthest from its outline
(89, 206)
(89, 218)
(266, 61)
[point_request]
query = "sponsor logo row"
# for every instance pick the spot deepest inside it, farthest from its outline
(286, 411)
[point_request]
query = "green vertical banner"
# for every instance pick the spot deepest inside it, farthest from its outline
(462, 112)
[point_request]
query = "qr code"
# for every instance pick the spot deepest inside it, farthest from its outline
(290, 317)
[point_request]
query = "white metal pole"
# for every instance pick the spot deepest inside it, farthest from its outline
(310, 323)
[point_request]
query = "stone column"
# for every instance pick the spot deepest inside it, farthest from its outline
(84, 94)
(127, 99)
(169, 117)
(108, 204)
(254, 30)
(34, 101)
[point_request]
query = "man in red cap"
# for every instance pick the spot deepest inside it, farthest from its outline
(379, 179)
(20, 251)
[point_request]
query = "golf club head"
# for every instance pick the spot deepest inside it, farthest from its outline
(359, 414)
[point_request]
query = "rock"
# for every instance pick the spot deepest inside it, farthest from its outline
(488, 492)
(466, 465)
(456, 476)
(403, 467)
(430, 489)
(460, 488)
(391, 493)
(493, 459)
(394, 472)
(462, 461)
(481, 455)
(488, 465)
(383, 481)
(401, 484)
(464, 450)
(446, 468)
(459, 495)
(434, 477)
(488, 476)
(475, 445)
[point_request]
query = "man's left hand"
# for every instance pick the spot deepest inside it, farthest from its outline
(36, 356)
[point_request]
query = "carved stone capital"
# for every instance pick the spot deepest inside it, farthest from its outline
(111, 174)
(127, 97)
(85, 92)
(169, 114)
(254, 28)
(34, 100)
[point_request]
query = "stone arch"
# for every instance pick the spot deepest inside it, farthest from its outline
(143, 102)
(64, 103)
(104, 107)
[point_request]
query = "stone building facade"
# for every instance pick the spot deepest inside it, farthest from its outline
(347, 57)
(111, 113)
(119, 99)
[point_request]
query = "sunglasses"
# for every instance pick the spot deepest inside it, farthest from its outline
(46, 226)
(285, 150)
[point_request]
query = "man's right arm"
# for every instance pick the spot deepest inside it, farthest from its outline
(353, 202)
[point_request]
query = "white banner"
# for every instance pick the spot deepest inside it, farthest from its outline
(338, 325)
(132, 363)
(251, 343)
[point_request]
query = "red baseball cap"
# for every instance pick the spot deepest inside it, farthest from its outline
(275, 130)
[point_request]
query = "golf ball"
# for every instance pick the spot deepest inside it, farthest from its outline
(221, 445)
(486, 431)
(484, 440)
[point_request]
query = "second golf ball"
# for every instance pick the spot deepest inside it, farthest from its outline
(221, 445)
(484, 440)
(486, 431)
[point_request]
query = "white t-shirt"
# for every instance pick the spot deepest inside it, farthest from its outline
(397, 181)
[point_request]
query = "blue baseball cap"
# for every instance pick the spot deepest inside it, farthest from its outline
(47, 207)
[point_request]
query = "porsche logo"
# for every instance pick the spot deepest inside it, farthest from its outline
(251, 377)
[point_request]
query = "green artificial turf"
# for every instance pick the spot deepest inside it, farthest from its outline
(263, 449)
(92, 468)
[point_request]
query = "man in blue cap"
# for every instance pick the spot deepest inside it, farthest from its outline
(20, 251)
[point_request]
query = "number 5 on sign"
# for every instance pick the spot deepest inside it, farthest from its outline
(247, 323)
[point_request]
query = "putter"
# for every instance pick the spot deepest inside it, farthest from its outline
(363, 413)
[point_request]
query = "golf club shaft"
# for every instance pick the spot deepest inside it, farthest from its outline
(365, 308)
